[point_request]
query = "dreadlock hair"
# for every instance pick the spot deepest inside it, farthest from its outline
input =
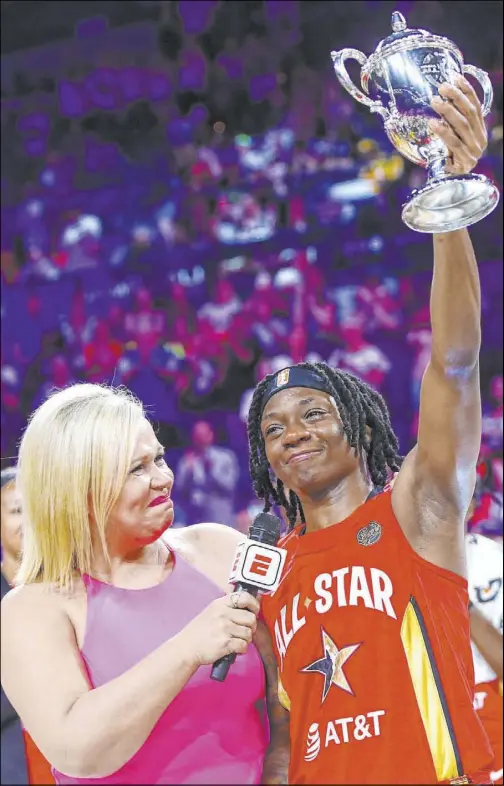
(359, 406)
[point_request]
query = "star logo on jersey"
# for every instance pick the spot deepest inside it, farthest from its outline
(331, 665)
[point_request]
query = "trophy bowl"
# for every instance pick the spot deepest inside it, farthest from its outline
(399, 81)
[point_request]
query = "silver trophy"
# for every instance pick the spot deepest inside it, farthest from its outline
(399, 81)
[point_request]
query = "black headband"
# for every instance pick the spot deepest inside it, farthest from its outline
(294, 377)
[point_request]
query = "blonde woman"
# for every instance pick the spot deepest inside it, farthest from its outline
(108, 638)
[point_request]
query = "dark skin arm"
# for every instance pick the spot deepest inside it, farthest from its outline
(487, 639)
(276, 761)
(434, 487)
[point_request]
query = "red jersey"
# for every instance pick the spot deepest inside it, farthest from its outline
(39, 769)
(488, 705)
(374, 656)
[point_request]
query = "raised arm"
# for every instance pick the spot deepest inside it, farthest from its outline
(435, 485)
(449, 430)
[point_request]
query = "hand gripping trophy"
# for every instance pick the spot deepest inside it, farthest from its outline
(405, 72)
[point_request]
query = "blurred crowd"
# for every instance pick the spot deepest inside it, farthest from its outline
(185, 216)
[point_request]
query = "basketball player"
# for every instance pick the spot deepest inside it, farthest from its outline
(484, 567)
(370, 622)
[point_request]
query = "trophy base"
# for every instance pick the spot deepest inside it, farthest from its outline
(450, 202)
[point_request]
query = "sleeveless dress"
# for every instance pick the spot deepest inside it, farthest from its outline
(375, 661)
(211, 732)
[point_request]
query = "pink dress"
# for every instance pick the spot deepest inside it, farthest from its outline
(211, 732)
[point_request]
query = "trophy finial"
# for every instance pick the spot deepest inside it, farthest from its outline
(398, 22)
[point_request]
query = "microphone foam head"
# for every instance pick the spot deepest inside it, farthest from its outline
(265, 528)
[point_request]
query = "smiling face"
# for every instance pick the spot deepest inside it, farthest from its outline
(144, 509)
(305, 442)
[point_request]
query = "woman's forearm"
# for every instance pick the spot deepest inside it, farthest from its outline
(455, 303)
(276, 762)
(117, 717)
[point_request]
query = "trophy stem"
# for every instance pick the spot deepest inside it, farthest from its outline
(436, 167)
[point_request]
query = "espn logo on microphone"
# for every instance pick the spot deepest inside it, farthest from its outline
(258, 564)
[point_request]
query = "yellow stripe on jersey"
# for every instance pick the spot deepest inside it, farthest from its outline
(282, 695)
(429, 694)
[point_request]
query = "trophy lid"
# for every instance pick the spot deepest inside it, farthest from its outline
(400, 32)
(402, 39)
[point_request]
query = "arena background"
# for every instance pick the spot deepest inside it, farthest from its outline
(190, 199)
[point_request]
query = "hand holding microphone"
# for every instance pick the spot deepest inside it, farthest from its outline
(257, 567)
(225, 626)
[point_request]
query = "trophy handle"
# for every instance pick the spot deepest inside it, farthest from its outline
(485, 83)
(339, 59)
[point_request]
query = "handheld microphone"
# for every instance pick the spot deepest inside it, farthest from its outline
(257, 567)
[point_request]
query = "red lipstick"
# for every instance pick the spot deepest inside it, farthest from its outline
(159, 501)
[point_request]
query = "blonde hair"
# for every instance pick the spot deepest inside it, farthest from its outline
(73, 461)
